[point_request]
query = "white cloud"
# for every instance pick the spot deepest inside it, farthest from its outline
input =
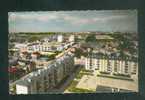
(32, 16)
(73, 19)
(80, 20)
(77, 19)
(47, 17)
(16, 16)
(94, 20)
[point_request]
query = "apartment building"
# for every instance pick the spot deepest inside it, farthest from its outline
(47, 78)
(60, 38)
(111, 64)
(49, 47)
(41, 47)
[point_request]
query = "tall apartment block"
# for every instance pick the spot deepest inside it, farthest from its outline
(46, 79)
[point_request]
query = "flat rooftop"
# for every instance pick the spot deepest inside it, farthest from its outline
(92, 82)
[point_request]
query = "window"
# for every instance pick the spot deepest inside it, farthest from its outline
(38, 86)
(90, 62)
(98, 63)
(108, 66)
(50, 80)
(55, 76)
(115, 66)
(126, 67)
(134, 68)
(45, 84)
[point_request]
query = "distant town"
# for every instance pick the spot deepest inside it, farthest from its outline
(73, 62)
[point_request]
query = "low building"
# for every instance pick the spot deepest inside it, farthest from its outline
(59, 38)
(40, 47)
(60, 48)
(72, 38)
(35, 55)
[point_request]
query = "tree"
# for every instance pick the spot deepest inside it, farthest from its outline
(91, 38)
(33, 38)
(78, 53)
(51, 57)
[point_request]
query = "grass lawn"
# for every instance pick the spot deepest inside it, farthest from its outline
(79, 76)
(83, 72)
(81, 90)
(72, 88)
(72, 85)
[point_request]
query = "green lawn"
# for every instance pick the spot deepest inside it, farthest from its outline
(72, 85)
(79, 76)
(72, 88)
(81, 90)
(83, 72)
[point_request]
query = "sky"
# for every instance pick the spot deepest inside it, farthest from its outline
(73, 21)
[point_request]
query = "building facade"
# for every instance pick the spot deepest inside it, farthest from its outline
(111, 64)
(60, 38)
(46, 79)
(72, 38)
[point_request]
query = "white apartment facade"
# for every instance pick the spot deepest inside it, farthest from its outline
(111, 65)
(60, 38)
(44, 80)
(48, 47)
(40, 47)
